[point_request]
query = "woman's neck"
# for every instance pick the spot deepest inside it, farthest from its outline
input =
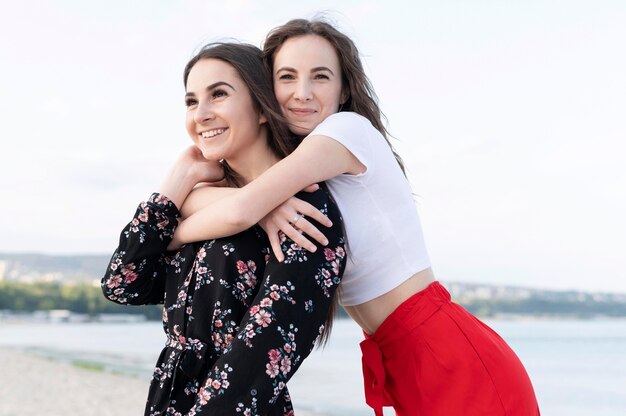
(256, 159)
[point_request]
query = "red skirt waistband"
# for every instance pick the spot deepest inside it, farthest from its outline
(411, 313)
(408, 316)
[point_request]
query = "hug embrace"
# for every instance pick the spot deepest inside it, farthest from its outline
(291, 200)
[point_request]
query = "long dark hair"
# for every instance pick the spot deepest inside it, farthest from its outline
(247, 61)
(362, 98)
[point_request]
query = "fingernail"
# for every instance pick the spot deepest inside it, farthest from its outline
(325, 242)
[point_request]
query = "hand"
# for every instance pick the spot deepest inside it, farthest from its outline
(189, 169)
(199, 168)
(289, 217)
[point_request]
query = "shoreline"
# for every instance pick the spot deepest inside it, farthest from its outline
(36, 383)
(8, 317)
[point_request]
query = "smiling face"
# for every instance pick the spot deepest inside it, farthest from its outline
(221, 118)
(307, 81)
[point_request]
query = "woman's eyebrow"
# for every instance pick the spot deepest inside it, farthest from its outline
(316, 69)
(219, 84)
(212, 87)
(286, 68)
(322, 68)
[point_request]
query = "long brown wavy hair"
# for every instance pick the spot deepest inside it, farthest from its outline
(247, 61)
(362, 98)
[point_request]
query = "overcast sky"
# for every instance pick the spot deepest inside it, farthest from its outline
(511, 117)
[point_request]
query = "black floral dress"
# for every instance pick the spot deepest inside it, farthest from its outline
(238, 322)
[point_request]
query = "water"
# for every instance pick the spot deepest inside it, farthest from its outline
(577, 367)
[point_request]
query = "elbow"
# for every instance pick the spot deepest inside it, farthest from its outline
(108, 292)
(113, 289)
(110, 288)
(121, 296)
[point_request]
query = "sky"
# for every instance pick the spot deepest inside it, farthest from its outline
(510, 116)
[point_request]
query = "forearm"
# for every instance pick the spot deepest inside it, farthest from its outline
(314, 161)
(203, 196)
(220, 219)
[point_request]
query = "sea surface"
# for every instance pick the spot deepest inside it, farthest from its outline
(577, 367)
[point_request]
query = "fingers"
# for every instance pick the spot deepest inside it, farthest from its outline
(290, 219)
(275, 244)
(310, 211)
(295, 233)
(311, 188)
(297, 237)
(312, 231)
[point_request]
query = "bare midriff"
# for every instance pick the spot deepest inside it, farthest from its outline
(371, 314)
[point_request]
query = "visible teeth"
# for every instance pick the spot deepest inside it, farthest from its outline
(212, 133)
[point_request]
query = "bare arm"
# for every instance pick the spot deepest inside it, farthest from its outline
(202, 197)
(282, 219)
(318, 158)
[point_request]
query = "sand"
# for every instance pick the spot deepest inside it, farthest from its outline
(33, 385)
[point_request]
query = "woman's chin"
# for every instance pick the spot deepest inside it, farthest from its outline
(300, 130)
(210, 155)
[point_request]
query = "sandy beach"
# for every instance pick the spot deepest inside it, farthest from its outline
(33, 385)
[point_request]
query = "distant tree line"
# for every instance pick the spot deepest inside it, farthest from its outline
(88, 299)
(546, 307)
(79, 298)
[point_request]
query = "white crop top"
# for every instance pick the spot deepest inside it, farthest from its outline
(384, 235)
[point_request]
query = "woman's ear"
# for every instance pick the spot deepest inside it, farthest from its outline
(262, 118)
(345, 94)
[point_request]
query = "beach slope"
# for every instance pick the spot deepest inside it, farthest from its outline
(33, 385)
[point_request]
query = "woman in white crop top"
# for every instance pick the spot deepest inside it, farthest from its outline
(423, 354)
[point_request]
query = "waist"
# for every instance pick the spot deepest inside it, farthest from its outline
(193, 356)
(371, 314)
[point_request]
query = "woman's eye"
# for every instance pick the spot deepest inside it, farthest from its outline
(286, 77)
(321, 76)
(218, 94)
(190, 102)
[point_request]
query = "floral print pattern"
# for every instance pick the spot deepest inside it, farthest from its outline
(230, 308)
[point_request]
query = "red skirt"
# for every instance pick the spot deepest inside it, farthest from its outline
(432, 357)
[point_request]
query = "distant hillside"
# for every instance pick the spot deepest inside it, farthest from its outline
(61, 269)
(481, 299)
(497, 301)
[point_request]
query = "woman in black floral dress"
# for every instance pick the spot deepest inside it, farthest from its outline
(238, 322)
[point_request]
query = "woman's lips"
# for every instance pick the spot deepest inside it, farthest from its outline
(209, 134)
(302, 111)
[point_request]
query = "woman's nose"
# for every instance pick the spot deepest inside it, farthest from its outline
(303, 91)
(204, 113)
